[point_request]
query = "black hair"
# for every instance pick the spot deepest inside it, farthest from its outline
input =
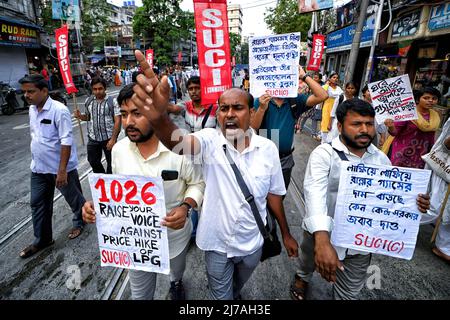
(194, 80)
(352, 83)
(96, 80)
(356, 105)
(430, 90)
(125, 93)
(36, 79)
(365, 88)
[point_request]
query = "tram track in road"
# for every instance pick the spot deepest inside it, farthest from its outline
(26, 220)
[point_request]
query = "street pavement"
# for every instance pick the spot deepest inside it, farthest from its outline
(70, 270)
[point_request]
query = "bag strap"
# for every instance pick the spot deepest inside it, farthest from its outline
(248, 196)
(205, 118)
(340, 153)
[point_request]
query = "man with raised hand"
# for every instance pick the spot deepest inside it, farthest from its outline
(227, 230)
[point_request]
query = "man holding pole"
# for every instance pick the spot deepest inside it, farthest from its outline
(53, 163)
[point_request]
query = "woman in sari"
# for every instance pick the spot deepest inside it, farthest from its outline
(410, 140)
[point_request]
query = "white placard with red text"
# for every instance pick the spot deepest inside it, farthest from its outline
(393, 99)
(213, 46)
(274, 64)
(376, 209)
(129, 210)
(62, 49)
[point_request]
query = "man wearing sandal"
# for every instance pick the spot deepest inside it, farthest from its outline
(345, 268)
(53, 163)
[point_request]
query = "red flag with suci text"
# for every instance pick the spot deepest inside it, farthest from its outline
(149, 57)
(315, 58)
(62, 48)
(213, 45)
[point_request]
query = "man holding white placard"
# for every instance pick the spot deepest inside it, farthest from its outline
(141, 153)
(344, 267)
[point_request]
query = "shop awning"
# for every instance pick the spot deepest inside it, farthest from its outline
(95, 58)
(21, 22)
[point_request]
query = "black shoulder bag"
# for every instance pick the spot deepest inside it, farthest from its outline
(271, 246)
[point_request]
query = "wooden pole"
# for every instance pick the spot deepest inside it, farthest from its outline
(79, 122)
(439, 219)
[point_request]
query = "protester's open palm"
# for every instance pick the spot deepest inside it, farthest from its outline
(151, 96)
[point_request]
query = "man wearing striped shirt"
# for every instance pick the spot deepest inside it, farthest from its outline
(103, 116)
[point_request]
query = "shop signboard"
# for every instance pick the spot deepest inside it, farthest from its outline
(113, 51)
(342, 39)
(12, 34)
(66, 10)
(439, 17)
(406, 25)
(401, 3)
(306, 6)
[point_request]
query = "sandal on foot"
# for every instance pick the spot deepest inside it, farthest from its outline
(32, 249)
(74, 233)
(298, 292)
(441, 255)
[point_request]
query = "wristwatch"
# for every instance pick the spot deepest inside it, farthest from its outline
(189, 208)
(304, 77)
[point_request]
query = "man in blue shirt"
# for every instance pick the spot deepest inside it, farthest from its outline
(53, 163)
(275, 118)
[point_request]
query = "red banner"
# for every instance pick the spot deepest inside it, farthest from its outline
(180, 57)
(213, 45)
(62, 48)
(233, 61)
(315, 58)
(149, 57)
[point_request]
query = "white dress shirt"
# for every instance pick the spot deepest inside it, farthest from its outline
(321, 185)
(127, 160)
(50, 129)
(227, 224)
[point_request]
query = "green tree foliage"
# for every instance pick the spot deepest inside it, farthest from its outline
(164, 25)
(95, 24)
(235, 45)
(285, 18)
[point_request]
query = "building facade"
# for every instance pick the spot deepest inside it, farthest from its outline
(234, 13)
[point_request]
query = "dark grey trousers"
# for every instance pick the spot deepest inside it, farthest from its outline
(41, 202)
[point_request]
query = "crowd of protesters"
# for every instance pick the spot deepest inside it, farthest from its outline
(224, 158)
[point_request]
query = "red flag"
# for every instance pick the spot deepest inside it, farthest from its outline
(62, 48)
(316, 52)
(149, 57)
(180, 56)
(213, 45)
(233, 61)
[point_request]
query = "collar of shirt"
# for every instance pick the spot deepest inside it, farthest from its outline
(46, 107)
(255, 142)
(160, 149)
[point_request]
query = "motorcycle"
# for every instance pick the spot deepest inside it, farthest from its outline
(8, 100)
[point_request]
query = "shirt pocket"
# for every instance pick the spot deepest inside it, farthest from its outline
(261, 185)
(48, 131)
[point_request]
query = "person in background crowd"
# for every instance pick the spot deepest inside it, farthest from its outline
(141, 153)
(380, 127)
(410, 140)
(46, 74)
(440, 201)
(279, 115)
(103, 116)
(345, 268)
(334, 92)
(54, 163)
(350, 92)
(227, 230)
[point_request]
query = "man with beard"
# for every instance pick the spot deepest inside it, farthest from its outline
(53, 162)
(141, 153)
(227, 231)
(345, 268)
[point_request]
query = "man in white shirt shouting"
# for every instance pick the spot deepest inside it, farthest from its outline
(227, 232)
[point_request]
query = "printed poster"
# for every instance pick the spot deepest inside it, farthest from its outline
(129, 210)
(376, 209)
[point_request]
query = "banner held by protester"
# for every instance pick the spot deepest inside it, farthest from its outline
(393, 99)
(129, 213)
(213, 45)
(274, 65)
(376, 209)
